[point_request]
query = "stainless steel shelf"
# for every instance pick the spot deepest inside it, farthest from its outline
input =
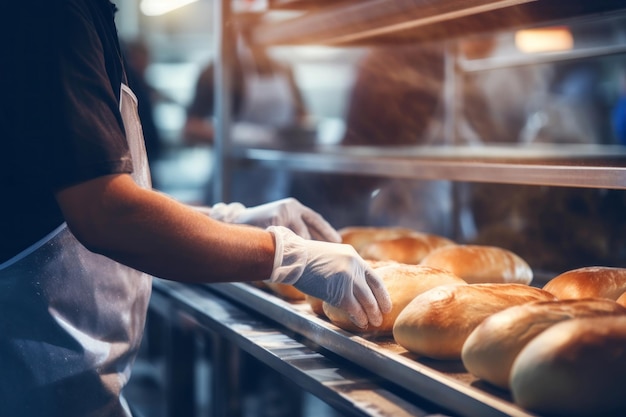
(443, 382)
(367, 22)
(358, 20)
(609, 39)
(349, 389)
(519, 60)
(570, 166)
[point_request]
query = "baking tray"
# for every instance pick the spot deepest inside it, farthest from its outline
(446, 383)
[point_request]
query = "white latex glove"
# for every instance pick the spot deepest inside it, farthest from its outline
(331, 272)
(287, 212)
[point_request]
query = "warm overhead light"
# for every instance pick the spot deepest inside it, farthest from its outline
(160, 7)
(549, 39)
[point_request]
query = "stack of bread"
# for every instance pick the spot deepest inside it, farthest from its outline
(438, 259)
(561, 357)
(491, 348)
(560, 349)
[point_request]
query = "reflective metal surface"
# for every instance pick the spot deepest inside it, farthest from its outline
(530, 165)
(445, 383)
(349, 389)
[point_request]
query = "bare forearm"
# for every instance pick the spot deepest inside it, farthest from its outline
(153, 233)
(188, 246)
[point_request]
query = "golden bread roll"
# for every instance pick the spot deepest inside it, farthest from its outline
(437, 322)
(409, 249)
(377, 264)
(316, 304)
(403, 282)
(589, 282)
(489, 351)
(360, 236)
(258, 284)
(621, 300)
(481, 264)
(286, 291)
(574, 368)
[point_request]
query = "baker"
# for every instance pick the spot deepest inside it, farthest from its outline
(82, 231)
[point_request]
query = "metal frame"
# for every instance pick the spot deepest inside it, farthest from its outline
(194, 309)
(442, 382)
(531, 166)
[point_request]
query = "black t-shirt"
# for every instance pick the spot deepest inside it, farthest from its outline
(60, 77)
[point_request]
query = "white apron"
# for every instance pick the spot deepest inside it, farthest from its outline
(71, 321)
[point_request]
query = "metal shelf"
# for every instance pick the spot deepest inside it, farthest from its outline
(443, 382)
(354, 21)
(348, 388)
(569, 166)
(608, 27)
(374, 21)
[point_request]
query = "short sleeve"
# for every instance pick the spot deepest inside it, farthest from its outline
(87, 138)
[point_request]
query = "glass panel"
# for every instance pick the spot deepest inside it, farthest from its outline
(554, 229)
(561, 84)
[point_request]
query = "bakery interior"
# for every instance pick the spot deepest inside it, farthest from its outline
(491, 123)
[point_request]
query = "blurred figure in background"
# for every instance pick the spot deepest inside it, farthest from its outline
(265, 99)
(395, 102)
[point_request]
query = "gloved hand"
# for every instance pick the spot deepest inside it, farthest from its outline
(331, 272)
(287, 212)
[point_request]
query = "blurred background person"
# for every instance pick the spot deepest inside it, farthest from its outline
(265, 100)
(394, 102)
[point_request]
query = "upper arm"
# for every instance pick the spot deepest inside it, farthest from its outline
(93, 208)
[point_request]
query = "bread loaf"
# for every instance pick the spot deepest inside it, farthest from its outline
(481, 264)
(621, 300)
(574, 368)
(379, 264)
(315, 304)
(360, 236)
(489, 351)
(409, 249)
(437, 322)
(286, 291)
(403, 282)
(589, 282)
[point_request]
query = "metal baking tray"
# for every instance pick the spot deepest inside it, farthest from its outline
(446, 383)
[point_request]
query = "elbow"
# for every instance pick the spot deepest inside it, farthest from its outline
(88, 236)
(97, 211)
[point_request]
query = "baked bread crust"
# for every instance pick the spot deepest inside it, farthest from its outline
(574, 368)
(360, 236)
(481, 264)
(489, 351)
(409, 249)
(403, 282)
(589, 282)
(437, 323)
